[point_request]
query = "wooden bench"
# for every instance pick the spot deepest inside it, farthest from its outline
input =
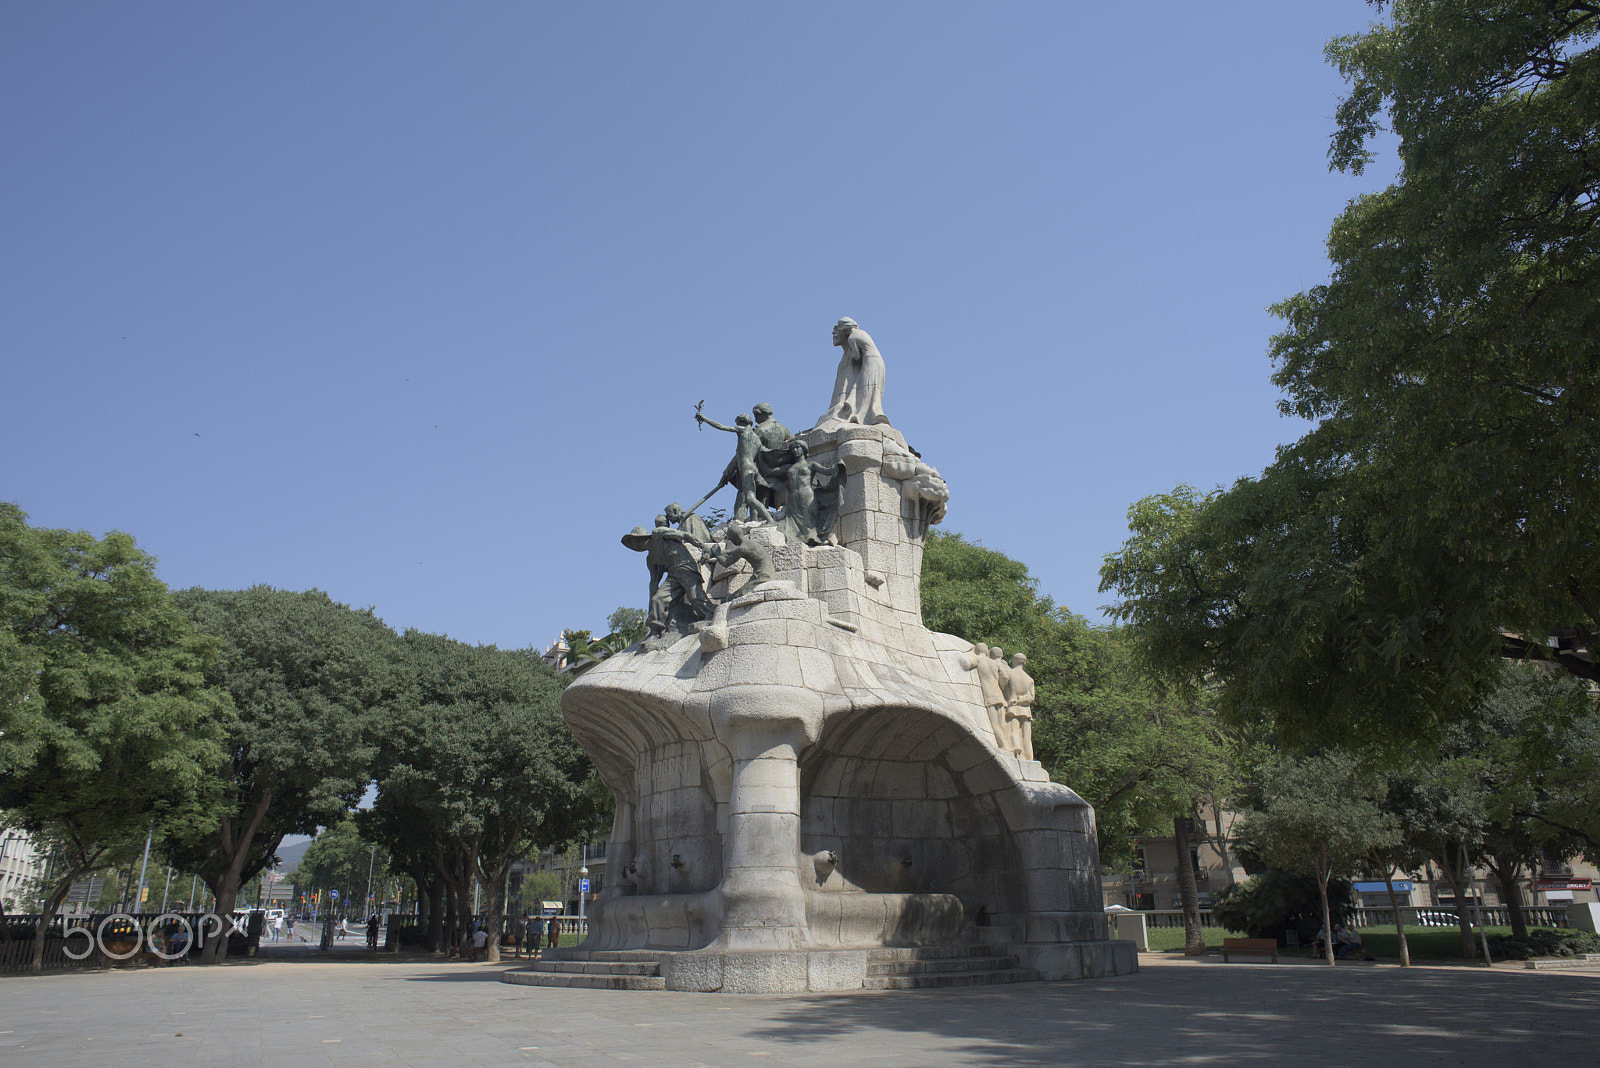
(1253, 947)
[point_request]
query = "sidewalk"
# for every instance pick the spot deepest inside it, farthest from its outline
(285, 1012)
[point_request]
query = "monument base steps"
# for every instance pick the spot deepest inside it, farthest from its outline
(600, 970)
(940, 966)
(915, 968)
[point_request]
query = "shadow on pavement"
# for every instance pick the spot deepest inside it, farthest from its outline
(1235, 1013)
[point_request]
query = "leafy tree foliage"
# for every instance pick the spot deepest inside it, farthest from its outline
(340, 859)
(1320, 816)
(108, 730)
(1275, 901)
(313, 681)
(487, 763)
(627, 625)
(1452, 363)
(1508, 785)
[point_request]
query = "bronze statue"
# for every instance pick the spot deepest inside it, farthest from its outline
(743, 471)
(740, 546)
(692, 525)
(812, 505)
(677, 590)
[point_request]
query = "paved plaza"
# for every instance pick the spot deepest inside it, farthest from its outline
(350, 1011)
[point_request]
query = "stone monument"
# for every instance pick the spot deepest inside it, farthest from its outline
(812, 786)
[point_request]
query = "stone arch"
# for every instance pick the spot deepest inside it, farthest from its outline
(672, 779)
(910, 802)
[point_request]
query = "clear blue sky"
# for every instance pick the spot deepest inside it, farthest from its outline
(413, 302)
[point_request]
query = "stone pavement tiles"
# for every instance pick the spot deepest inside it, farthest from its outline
(426, 1012)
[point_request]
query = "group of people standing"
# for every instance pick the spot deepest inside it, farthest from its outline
(533, 929)
(1007, 697)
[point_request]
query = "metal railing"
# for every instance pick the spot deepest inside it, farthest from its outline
(1412, 915)
(409, 928)
(16, 952)
(1445, 916)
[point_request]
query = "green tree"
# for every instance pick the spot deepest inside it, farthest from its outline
(486, 755)
(313, 681)
(627, 625)
(1319, 815)
(340, 859)
(1369, 578)
(1503, 785)
(108, 730)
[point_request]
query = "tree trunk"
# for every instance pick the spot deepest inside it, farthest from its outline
(1507, 871)
(464, 924)
(435, 914)
(1399, 921)
(1458, 886)
(227, 891)
(494, 908)
(1324, 872)
(1220, 841)
(1194, 936)
(235, 842)
(57, 896)
(421, 906)
(451, 940)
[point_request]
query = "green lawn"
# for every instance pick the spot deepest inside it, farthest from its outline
(1426, 943)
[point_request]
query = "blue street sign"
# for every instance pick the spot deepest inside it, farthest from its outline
(583, 886)
(334, 894)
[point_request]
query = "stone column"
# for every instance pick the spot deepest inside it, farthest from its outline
(763, 905)
(619, 852)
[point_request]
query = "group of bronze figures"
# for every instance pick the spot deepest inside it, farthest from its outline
(777, 483)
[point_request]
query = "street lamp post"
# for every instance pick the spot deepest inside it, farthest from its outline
(583, 885)
(143, 865)
(370, 862)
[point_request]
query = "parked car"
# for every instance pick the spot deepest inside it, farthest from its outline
(1436, 918)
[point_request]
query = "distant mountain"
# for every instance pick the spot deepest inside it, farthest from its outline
(289, 854)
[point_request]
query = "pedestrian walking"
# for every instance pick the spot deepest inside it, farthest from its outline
(554, 932)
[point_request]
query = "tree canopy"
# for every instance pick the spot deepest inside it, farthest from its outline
(1369, 578)
(108, 730)
(479, 771)
(1321, 816)
(311, 679)
(340, 859)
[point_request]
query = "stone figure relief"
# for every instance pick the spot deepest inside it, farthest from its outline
(858, 387)
(994, 701)
(677, 589)
(919, 482)
(1019, 714)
